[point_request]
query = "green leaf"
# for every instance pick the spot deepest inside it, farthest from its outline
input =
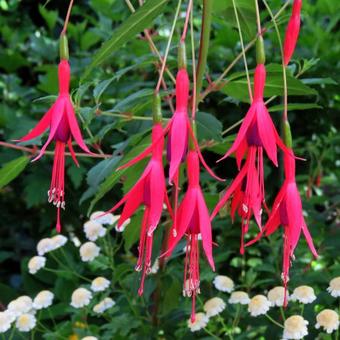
(100, 88)
(12, 169)
(295, 106)
(50, 17)
(136, 23)
(208, 127)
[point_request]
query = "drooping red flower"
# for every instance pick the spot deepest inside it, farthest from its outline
(193, 221)
(256, 133)
(61, 121)
(150, 191)
(287, 211)
(292, 32)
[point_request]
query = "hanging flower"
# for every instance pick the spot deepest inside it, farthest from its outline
(60, 119)
(239, 297)
(150, 191)
(295, 327)
(192, 219)
(303, 294)
(223, 283)
(200, 322)
(257, 133)
(214, 306)
(287, 211)
(258, 305)
(292, 32)
(328, 319)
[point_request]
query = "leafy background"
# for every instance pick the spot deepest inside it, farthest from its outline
(112, 91)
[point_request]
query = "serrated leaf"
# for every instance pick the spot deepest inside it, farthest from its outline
(12, 169)
(137, 22)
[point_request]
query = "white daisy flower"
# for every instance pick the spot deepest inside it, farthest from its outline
(303, 294)
(99, 217)
(295, 327)
(26, 322)
(93, 230)
(44, 246)
(258, 305)
(58, 241)
(89, 251)
(276, 296)
(81, 297)
(201, 321)
(223, 283)
(43, 299)
(123, 226)
(239, 297)
(90, 337)
(328, 319)
(103, 305)
(36, 263)
(21, 305)
(99, 284)
(334, 287)
(214, 306)
(6, 319)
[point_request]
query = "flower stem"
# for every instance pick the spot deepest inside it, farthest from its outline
(187, 16)
(258, 18)
(194, 97)
(67, 17)
(217, 83)
(168, 46)
(204, 46)
(210, 333)
(243, 51)
(273, 321)
(282, 314)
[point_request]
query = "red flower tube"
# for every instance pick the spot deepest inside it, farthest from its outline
(287, 211)
(257, 133)
(292, 32)
(192, 221)
(150, 191)
(60, 119)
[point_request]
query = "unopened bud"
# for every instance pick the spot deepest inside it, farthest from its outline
(260, 52)
(182, 55)
(63, 47)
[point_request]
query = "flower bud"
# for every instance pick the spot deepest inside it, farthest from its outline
(287, 135)
(156, 108)
(182, 55)
(260, 52)
(63, 47)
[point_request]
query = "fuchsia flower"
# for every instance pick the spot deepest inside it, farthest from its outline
(150, 190)
(287, 211)
(292, 32)
(62, 122)
(256, 133)
(192, 221)
(179, 129)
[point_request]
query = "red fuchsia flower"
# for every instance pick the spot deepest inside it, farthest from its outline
(287, 211)
(178, 130)
(150, 191)
(60, 119)
(256, 133)
(292, 32)
(193, 221)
